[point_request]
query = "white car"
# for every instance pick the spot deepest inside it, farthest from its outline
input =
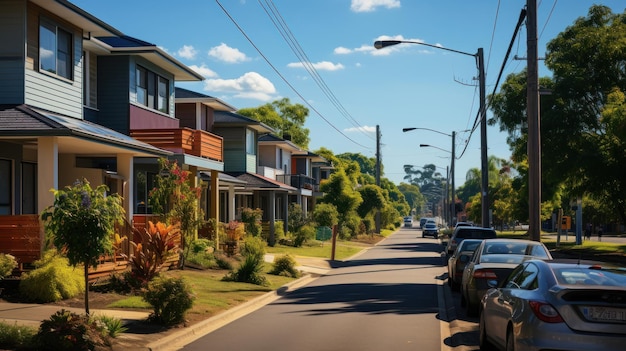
(408, 221)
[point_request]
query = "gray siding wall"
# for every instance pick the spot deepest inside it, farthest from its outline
(12, 53)
(48, 91)
(234, 149)
(113, 92)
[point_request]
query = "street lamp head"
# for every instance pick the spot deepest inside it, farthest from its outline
(424, 145)
(379, 44)
(408, 129)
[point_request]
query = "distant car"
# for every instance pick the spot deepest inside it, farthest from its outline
(468, 232)
(408, 221)
(494, 260)
(463, 224)
(545, 305)
(430, 229)
(459, 258)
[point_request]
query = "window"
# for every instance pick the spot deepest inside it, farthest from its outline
(153, 90)
(6, 184)
(55, 50)
(29, 188)
(144, 182)
(250, 142)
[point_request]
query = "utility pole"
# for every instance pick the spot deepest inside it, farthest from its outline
(377, 219)
(484, 164)
(534, 138)
(453, 207)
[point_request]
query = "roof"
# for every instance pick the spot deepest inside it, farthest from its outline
(259, 182)
(308, 154)
(188, 96)
(26, 121)
(125, 45)
(231, 119)
(271, 139)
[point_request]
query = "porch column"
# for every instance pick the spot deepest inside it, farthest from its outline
(272, 217)
(47, 171)
(286, 213)
(214, 195)
(125, 169)
(232, 207)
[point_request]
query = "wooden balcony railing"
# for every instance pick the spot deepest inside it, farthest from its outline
(184, 140)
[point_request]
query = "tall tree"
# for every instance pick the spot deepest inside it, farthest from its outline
(286, 118)
(582, 131)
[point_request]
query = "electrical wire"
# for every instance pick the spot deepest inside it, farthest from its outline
(548, 19)
(282, 27)
(283, 78)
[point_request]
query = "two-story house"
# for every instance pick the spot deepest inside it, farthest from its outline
(73, 90)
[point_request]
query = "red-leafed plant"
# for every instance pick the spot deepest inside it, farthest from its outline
(158, 242)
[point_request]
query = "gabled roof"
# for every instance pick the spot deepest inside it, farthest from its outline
(25, 121)
(188, 96)
(259, 182)
(308, 154)
(271, 139)
(231, 119)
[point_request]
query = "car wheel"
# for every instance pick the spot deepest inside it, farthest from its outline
(483, 343)
(510, 340)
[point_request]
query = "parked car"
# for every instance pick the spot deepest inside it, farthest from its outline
(494, 260)
(430, 229)
(459, 258)
(547, 305)
(423, 221)
(468, 232)
(408, 221)
(463, 224)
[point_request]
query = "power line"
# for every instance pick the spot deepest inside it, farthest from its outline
(274, 14)
(283, 78)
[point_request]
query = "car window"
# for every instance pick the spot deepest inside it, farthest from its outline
(510, 282)
(528, 278)
(587, 276)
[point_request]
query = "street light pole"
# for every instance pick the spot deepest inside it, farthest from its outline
(480, 62)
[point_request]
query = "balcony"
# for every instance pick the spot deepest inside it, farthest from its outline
(185, 141)
(299, 181)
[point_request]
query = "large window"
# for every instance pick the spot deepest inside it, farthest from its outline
(153, 90)
(55, 50)
(6, 184)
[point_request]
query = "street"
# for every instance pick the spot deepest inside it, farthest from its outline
(387, 298)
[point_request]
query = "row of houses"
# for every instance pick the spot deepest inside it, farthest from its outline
(79, 99)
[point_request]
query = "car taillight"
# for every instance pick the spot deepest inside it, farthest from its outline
(545, 312)
(484, 274)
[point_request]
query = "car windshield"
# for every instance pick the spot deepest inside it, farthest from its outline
(529, 249)
(590, 276)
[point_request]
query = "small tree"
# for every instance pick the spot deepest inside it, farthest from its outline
(81, 222)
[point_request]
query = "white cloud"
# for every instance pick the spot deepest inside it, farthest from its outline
(365, 129)
(204, 71)
(225, 53)
(342, 51)
(188, 52)
(251, 85)
(322, 66)
(371, 5)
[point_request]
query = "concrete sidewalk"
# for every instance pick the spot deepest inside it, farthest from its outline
(172, 339)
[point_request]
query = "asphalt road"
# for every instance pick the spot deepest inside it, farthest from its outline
(387, 298)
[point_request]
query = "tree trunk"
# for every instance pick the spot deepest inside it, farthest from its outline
(86, 288)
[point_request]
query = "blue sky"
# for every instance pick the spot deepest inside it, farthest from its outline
(245, 50)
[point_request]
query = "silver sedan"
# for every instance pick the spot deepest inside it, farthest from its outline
(547, 305)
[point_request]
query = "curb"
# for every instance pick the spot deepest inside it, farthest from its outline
(178, 340)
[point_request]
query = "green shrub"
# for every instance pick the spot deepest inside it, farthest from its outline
(52, 280)
(306, 233)
(250, 271)
(114, 326)
(170, 298)
(7, 265)
(202, 245)
(223, 262)
(203, 260)
(285, 266)
(16, 337)
(253, 246)
(66, 330)
(279, 230)
(252, 219)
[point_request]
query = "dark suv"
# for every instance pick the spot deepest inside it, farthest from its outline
(466, 232)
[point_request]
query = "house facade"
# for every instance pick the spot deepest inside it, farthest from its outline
(79, 99)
